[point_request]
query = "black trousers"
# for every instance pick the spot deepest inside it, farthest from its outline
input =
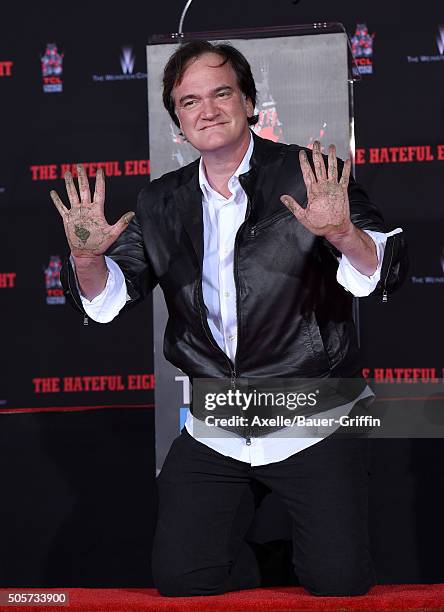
(199, 546)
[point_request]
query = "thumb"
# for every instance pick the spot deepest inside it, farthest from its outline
(294, 206)
(122, 223)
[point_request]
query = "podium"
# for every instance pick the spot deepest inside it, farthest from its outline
(304, 77)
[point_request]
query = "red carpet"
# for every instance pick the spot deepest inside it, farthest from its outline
(410, 597)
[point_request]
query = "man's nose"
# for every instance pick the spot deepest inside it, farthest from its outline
(210, 109)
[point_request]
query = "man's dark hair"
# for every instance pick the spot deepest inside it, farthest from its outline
(193, 49)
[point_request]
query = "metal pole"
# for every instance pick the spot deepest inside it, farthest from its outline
(182, 17)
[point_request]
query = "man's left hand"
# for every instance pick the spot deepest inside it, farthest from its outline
(327, 212)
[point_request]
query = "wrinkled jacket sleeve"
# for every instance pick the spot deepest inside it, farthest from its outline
(365, 215)
(130, 254)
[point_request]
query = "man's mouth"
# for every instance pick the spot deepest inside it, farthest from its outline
(212, 125)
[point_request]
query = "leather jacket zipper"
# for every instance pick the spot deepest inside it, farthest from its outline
(384, 291)
(232, 367)
(246, 429)
(266, 222)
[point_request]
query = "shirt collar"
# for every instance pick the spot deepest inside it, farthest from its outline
(243, 167)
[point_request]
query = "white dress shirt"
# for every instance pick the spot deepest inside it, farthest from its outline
(222, 218)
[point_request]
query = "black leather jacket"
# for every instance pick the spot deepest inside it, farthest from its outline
(294, 318)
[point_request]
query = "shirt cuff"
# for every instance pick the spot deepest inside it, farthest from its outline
(107, 305)
(354, 281)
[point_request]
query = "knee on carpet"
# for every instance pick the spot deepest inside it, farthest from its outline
(342, 580)
(337, 587)
(201, 582)
(337, 592)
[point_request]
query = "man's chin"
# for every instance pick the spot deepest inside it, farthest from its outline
(212, 142)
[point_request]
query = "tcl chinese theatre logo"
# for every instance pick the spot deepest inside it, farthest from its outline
(54, 291)
(52, 69)
(362, 48)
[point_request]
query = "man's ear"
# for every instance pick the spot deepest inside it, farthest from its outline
(180, 128)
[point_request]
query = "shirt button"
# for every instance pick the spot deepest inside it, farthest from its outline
(232, 338)
(226, 294)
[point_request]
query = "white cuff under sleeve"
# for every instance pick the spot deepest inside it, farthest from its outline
(354, 281)
(107, 305)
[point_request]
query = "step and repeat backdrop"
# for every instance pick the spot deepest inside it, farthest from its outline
(74, 89)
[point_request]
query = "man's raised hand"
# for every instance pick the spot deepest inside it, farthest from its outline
(86, 228)
(327, 212)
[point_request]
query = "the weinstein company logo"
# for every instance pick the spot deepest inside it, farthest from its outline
(54, 291)
(419, 59)
(440, 40)
(362, 48)
(52, 69)
(127, 61)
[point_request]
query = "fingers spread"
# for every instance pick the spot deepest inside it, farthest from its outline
(294, 206)
(71, 190)
(318, 161)
(332, 164)
(58, 203)
(85, 195)
(307, 172)
(99, 190)
(345, 173)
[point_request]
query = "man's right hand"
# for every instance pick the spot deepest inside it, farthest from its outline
(86, 228)
(88, 233)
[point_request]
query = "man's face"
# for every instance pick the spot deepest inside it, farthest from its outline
(211, 108)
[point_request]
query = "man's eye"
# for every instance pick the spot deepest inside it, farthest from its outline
(189, 103)
(223, 94)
